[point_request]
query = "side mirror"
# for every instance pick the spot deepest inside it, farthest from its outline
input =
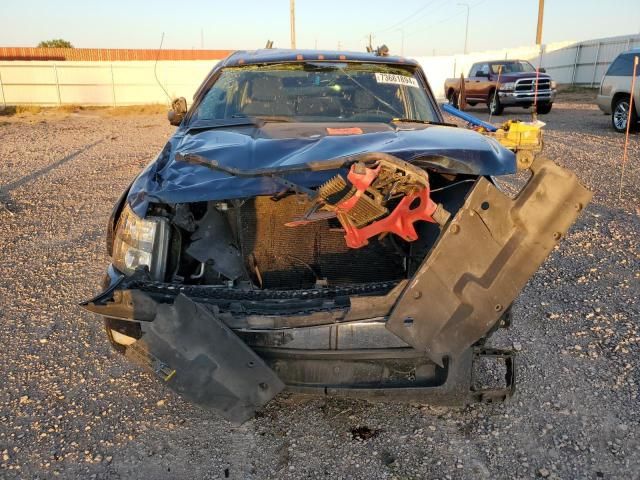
(178, 111)
(542, 70)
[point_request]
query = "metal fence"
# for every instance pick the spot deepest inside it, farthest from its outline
(51, 83)
(568, 63)
(114, 83)
(585, 63)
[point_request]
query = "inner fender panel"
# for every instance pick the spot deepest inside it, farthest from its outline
(484, 258)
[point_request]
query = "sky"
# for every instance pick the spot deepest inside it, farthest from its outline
(429, 27)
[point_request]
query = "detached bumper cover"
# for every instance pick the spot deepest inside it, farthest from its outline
(203, 360)
(484, 259)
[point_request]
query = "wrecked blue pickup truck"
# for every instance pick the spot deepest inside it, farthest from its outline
(314, 224)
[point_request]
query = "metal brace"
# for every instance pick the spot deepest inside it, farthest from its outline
(493, 395)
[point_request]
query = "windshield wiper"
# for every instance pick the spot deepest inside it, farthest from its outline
(264, 118)
(235, 121)
(239, 122)
(423, 122)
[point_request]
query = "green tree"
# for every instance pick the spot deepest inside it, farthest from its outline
(55, 43)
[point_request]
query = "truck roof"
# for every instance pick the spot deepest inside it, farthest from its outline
(281, 55)
(510, 60)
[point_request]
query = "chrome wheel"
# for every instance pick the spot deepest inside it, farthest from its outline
(621, 115)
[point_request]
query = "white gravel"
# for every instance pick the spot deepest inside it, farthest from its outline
(71, 407)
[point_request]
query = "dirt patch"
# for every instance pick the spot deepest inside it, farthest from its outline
(35, 111)
(573, 94)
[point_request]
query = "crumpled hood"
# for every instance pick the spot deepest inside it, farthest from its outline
(167, 180)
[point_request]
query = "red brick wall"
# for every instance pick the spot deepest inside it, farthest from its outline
(107, 54)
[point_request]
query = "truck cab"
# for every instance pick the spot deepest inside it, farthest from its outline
(503, 83)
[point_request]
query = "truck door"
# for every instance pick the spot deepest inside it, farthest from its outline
(477, 83)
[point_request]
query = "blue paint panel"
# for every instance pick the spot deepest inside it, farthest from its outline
(167, 180)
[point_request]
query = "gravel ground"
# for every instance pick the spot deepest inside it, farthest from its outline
(71, 407)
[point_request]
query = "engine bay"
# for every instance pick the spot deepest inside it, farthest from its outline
(376, 223)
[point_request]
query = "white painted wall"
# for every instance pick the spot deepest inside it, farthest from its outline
(567, 62)
(99, 83)
(127, 83)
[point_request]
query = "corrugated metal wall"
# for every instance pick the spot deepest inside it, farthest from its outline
(585, 63)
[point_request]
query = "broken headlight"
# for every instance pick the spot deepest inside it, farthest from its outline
(140, 242)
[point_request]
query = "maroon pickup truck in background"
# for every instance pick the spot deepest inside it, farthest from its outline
(503, 83)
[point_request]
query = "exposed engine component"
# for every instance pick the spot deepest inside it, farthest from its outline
(374, 200)
(213, 244)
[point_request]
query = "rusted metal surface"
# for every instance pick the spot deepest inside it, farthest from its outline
(455, 297)
(108, 54)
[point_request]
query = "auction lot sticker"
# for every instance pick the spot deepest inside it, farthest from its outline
(396, 79)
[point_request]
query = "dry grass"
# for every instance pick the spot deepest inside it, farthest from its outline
(151, 109)
(129, 110)
(20, 110)
(576, 94)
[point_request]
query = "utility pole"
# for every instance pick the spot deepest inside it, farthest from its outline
(540, 16)
(292, 19)
(371, 42)
(466, 30)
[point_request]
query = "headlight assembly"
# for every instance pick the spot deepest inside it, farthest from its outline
(508, 87)
(139, 242)
(553, 85)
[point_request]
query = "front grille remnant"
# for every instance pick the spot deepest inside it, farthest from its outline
(299, 257)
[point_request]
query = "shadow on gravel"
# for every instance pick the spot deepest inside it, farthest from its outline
(43, 171)
(6, 202)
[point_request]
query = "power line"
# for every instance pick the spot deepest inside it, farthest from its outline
(430, 13)
(411, 19)
(447, 19)
(396, 25)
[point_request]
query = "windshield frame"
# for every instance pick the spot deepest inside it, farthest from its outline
(494, 71)
(215, 74)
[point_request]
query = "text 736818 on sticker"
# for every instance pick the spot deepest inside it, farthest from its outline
(396, 79)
